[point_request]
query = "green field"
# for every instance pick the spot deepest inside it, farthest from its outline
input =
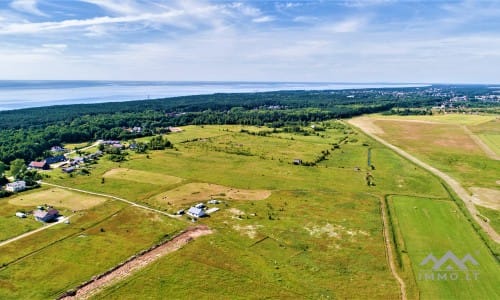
(282, 231)
(63, 256)
(493, 215)
(435, 226)
(12, 226)
(492, 140)
(308, 249)
(447, 146)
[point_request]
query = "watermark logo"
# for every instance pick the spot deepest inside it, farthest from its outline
(449, 267)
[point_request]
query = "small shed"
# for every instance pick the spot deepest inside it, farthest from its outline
(20, 215)
(297, 161)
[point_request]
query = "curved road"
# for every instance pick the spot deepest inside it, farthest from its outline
(455, 185)
(112, 197)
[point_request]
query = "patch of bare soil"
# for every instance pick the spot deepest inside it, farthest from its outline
(95, 285)
(489, 198)
(367, 124)
(198, 191)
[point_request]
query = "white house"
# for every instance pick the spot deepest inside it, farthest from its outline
(196, 212)
(16, 186)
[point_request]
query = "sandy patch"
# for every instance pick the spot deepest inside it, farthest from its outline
(141, 176)
(196, 192)
(489, 198)
(59, 198)
(334, 231)
(249, 230)
(367, 124)
(236, 212)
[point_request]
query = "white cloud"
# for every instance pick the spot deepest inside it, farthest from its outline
(245, 9)
(306, 19)
(18, 28)
(221, 41)
(27, 6)
(345, 26)
(263, 19)
(287, 5)
(366, 3)
(55, 46)
(120, 7)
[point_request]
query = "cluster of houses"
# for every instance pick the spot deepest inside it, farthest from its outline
(200, 210)
(112, 143)
(45, 164)
(135, 129)
(75, 163)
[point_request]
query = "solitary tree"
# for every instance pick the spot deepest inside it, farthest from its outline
(17, 167)
(2, 168)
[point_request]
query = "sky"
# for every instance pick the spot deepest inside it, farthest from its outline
(302, 41)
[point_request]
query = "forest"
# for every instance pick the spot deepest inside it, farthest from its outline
(28, 133)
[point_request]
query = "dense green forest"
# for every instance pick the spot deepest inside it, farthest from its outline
(29, 133)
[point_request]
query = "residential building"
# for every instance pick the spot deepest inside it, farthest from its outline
(16, 186)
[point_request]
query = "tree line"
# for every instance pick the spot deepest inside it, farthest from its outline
(28, 133)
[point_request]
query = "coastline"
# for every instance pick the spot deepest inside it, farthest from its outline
(29, 94)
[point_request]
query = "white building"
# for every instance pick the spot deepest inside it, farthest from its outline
(196, 212)
(16, 186)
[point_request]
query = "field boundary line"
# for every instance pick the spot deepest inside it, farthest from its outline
(452, 183)
(388, 249)
(111, 197)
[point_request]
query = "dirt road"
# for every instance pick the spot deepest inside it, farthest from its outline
(139, 262)
(462, 193)
(33, 231)
(111, 197)
(388, 247)
(486, 149)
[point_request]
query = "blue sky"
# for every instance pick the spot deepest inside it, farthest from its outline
(332, 41)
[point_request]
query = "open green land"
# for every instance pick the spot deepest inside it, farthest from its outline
(63, 200)
(12, 226)
(60, 258)
(450, 118)
(493, 215)
(446, 146)
(282, 231)
(425, 226)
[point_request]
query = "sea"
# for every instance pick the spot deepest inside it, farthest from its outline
(16, 94)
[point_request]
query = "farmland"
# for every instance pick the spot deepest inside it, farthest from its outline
(449, 142)
(283, 230)
(437, 226)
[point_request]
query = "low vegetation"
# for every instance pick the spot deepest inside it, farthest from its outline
(299, 212)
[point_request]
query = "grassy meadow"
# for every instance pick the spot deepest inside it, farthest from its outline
(437, 226)
(60, 258)
(446, 146)
(282, 231)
